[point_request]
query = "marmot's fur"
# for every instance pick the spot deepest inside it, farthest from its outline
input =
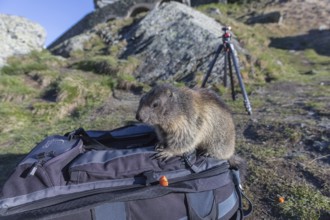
(188, 119)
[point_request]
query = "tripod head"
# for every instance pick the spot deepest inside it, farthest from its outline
(226, 37)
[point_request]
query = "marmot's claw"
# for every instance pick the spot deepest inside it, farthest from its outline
(205, 154)
(159, 147)
(162, 155)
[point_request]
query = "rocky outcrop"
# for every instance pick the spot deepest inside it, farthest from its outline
(75, 43)
(112, 9)
(101, 3)
(174, 42)
(117, 9)
(18, 36)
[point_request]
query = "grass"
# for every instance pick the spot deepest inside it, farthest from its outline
(14, 88)
(303, 201)
(35, 61)
(98, 64)
(52, 96)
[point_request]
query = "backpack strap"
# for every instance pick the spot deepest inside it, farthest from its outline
(190, 159)
(237, 181)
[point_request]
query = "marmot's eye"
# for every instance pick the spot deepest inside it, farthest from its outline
(155, 105)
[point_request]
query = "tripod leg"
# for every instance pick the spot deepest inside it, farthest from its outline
(225, 70)
(245, 96)
(212, 64)
(231, 76)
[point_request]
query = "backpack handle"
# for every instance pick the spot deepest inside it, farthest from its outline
(106, 140)
(89, 142)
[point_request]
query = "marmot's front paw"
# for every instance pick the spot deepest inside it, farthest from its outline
(163, 154)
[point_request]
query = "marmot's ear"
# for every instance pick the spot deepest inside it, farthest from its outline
(169, 92)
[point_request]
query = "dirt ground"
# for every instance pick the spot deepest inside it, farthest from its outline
(286, 143)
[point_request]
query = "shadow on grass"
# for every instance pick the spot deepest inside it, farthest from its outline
(315, 39)
(8, 163)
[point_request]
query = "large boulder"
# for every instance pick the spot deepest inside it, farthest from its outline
(111, 10)
(19, 36)
(106, 10)
(174, 42)
(101, 3)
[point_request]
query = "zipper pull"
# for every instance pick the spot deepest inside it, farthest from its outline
(34, 168)
(40, 160)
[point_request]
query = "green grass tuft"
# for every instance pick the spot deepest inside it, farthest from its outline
(303, 202)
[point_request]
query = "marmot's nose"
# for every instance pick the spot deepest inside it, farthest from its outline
(138, 117)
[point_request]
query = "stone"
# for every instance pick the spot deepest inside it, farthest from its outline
(102, 3)
(19, 36)
(115, 10)
(75, 43)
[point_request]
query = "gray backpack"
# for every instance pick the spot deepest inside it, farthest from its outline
(113, 175)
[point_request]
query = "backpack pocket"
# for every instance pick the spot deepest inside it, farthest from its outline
(43, 167)
(98, 165)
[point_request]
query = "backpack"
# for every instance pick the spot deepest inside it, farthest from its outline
(113, 175)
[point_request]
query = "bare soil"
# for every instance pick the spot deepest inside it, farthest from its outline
(288, 139)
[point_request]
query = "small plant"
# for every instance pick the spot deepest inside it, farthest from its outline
(35, 61)
(107, 65)
(16, 67)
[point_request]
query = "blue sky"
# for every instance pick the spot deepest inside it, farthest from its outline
(56, 16)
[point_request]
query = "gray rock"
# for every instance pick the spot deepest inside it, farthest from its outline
(78, 42)
(19, 36)
(118, 9)
(72, 44)
(101, 3)
(112, 9)
(174, 42)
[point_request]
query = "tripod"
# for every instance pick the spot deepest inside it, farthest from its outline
(229, 53)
